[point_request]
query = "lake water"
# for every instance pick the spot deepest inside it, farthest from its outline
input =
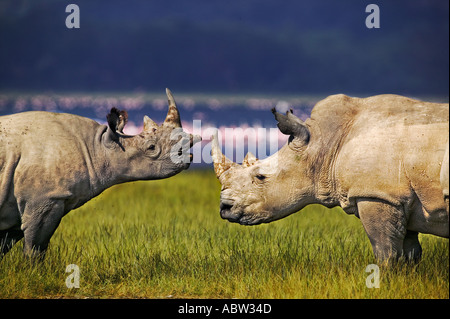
(240, 119)
(245, 122)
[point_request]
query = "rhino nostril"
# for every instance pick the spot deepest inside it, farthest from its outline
(225, 206)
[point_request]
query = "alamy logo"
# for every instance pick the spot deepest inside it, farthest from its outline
(73, 280)
(73, 19)
(373, 19)
(260, 141)
(373, 280)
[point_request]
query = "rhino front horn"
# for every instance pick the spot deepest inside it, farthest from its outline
(173, 116)
(221, 162)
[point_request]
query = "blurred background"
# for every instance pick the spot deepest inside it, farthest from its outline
(227, 62)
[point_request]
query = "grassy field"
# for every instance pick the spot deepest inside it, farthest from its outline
(165, 239)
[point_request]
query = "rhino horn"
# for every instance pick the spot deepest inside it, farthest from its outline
(149, 124)
(173, 116)
(221, 162)
(249, 159)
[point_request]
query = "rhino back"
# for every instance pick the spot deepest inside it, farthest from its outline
(48, 155)
(393, 148)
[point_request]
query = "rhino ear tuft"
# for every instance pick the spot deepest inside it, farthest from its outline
(291, 125)
(117, 119)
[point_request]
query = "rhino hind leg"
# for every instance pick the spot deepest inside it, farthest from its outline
(39, 227)
(385, 225)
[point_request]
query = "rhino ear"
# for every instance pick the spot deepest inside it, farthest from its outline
(289, 124)
(117, 120)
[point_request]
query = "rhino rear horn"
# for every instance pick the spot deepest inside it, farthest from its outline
(289, 124)
(149, 124)
(173, 116)
(249, 159)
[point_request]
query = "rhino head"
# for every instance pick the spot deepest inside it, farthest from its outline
(261, 191)
(159, 151)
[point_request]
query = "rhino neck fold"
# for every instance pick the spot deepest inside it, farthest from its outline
(97, 163)
(330, 126)
(102, 159)
(320, 159)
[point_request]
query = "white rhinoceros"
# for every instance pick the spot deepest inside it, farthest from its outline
(381, 158)
(51, 163)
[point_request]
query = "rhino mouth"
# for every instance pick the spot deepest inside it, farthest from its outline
(181, 157)
(182, 154)
(249, 221)
(227, 213)
(186, 165)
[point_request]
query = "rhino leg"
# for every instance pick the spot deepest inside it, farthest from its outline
(39, 225)
(411, 246)
(385, 226)
(8, 238)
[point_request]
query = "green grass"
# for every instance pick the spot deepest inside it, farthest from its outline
(165, 239)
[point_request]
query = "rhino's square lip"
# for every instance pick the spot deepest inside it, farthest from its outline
(249, 221)
(226, 213)
(240, 218)
(233, 220)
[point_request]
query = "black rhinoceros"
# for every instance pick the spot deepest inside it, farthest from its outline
(51, 163)
(382, 158)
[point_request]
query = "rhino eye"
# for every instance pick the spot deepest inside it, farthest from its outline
(152, 149)
(261, 177)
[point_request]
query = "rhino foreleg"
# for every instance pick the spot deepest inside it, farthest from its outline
(385, 225)
(40, 222)
(411, 246)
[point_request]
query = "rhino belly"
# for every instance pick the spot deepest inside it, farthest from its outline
(428, 222)
(400, 165)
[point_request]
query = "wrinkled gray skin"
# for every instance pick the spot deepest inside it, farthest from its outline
(382, 158)
(51, 163)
